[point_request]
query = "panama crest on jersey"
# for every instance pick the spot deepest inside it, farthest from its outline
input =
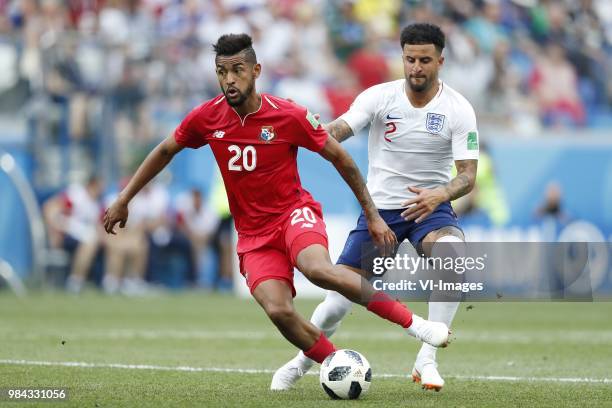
(267, 133)
(435, 122)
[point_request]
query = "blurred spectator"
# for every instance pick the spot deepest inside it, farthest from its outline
(552, 206)
(197, 222)
(380, 16)
(311, 43)
(304, 91)
(555, 85)
(469, 70)
(170, 260)
(485, 26)
(341, 91)
(347, 34)
(223, 237)
(73, 222)
(369, 64)
(126, 253)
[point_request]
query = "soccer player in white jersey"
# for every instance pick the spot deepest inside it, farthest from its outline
(419, 126)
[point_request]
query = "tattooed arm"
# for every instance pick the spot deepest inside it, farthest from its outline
(464, 182)
(427, 200)
(339, 130)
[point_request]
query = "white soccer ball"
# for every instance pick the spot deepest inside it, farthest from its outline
(345, 374)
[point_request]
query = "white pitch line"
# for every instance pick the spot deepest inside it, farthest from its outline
(80, 364)
(596, 337)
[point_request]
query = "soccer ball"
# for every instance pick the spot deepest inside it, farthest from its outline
(345, 374)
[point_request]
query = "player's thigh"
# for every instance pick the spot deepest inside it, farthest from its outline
(263, 264)
(314, 262)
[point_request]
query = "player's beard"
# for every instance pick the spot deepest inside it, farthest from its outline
(242, 96)
(422, 87)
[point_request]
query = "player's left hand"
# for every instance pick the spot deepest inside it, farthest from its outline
(423, 204)
(384, 238)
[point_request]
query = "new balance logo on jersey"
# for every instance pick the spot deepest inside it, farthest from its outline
(219, 134)
(435, 122)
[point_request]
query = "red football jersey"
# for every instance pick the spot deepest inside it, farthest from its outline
(257, 156)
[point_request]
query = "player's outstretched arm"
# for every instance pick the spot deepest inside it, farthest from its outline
(155, 162)
(339, 129)
(427, 200)
(382, 235)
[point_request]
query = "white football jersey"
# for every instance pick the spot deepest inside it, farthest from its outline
(410, 146)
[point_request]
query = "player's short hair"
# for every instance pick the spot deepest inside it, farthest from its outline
(423, 33)
(232, 44)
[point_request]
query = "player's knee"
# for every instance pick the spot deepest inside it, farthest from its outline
(448, 246)
(280, 314)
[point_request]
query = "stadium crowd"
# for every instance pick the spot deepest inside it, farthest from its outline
(104, 80)
(76, 65)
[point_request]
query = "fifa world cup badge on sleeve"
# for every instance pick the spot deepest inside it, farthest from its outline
(267, 133)
(312, 120)
(472, 141)
(435, 122)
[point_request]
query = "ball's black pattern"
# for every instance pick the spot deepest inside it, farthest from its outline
(355, 390)
(330, 392)
(354, 356)
(339, 373)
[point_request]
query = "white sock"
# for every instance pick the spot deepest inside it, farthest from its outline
(440, 311)
(327, 316)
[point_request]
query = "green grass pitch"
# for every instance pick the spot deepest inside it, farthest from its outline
(198, 349)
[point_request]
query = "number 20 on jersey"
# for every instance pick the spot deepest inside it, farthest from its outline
(248, 156)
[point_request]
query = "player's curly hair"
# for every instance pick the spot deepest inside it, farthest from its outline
(423, 33)
(232, 44)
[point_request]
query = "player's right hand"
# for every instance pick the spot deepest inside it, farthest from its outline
(116, 213)
(384, 238)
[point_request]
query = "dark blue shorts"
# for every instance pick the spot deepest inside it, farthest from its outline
(442, 216)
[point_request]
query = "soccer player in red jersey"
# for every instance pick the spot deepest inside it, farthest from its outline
(254, 138)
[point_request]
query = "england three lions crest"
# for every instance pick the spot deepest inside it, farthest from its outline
(267, 133)
(435, 122)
